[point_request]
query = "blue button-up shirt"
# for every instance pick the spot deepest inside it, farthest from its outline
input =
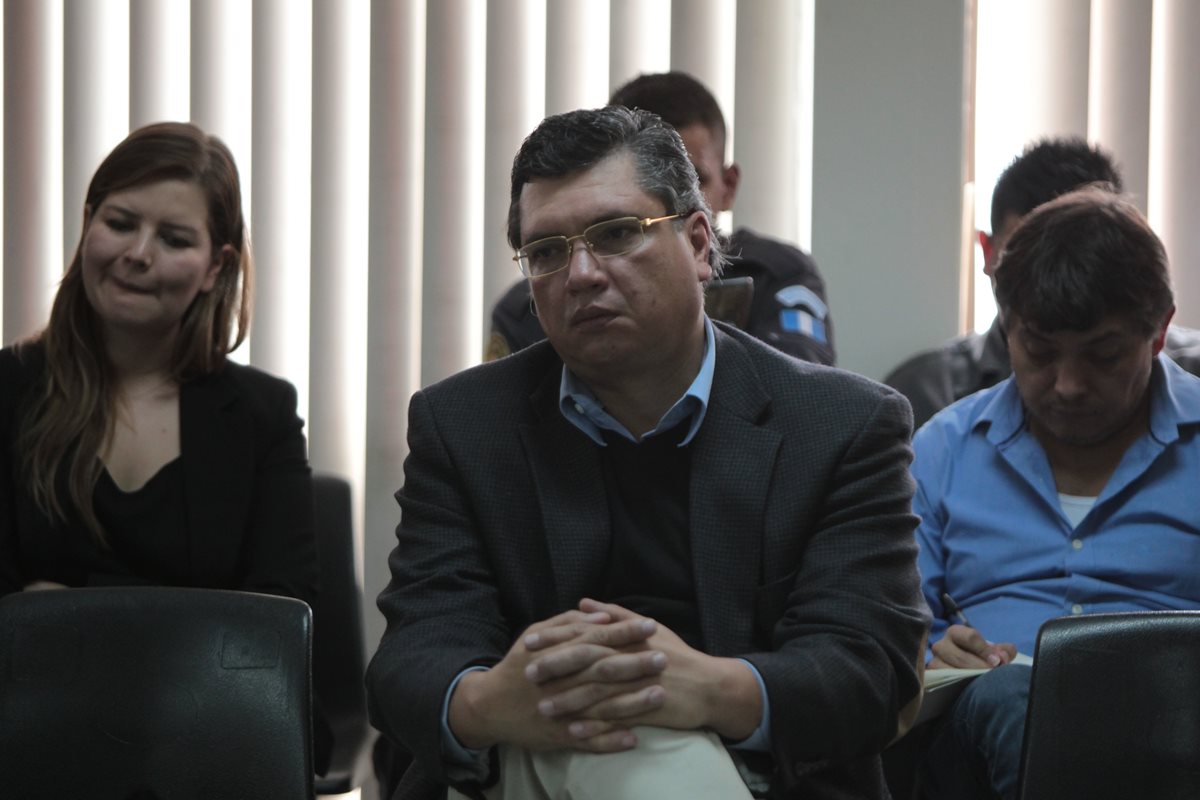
(994, 536)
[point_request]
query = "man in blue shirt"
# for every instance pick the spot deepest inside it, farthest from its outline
(1067, 488)
(651, 556)
(933, 379)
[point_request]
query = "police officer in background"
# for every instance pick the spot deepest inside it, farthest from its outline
(770, 289)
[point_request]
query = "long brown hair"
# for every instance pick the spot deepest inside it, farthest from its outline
(72, 419)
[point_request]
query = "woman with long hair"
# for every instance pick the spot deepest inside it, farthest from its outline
(131, 449)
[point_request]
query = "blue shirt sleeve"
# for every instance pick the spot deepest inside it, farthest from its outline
(452, 749)
(760, 740)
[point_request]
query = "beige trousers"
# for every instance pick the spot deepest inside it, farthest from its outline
(665, 765)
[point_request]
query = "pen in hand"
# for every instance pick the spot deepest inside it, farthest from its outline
(953, 612)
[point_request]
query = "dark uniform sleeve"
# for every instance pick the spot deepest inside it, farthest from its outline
(926, 379)
(790, 310)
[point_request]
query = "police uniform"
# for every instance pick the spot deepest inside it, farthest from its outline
(934, 379)
(774, 292)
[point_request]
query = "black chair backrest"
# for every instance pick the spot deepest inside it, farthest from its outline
(1114, 708)
(339, 657)
(154, 692)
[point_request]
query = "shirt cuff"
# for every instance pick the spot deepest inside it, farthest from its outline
(760, 740)
(452, 749)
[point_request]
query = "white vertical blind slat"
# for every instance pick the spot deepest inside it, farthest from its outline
(282, 179)
(577, 45)
(159, 60)
(1175, 165)
(516, 98)
(96, 79)
(452, 338)
(33, 167)
(394, 311)
(703, 36)
(768, 75)
(1119, 87)
(640, 39)
(220, 88)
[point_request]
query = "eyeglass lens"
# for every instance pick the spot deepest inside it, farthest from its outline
(605, 239)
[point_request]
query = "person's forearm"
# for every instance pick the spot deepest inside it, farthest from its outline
(734, 700)
(468, 715)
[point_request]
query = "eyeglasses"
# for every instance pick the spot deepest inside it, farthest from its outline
(614, 237)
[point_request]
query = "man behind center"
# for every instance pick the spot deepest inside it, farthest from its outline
(653, 541)
(1065, 489)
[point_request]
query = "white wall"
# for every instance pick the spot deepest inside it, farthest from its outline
(888, 168)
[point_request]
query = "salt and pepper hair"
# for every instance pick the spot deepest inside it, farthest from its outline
(1079, 258)
(568, 143)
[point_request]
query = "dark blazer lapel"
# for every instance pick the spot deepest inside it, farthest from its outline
(570, 492)
(218, 458)
(733, 456)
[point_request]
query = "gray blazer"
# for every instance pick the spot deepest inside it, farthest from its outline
(802, 545)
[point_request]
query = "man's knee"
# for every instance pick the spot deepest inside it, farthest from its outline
(995, 701)
(665, 764)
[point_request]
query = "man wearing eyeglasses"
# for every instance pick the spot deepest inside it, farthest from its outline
(768, 288)
(651, 557)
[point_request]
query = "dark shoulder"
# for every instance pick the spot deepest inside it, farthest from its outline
(816, 387)
(499, 384)
(514, 327)
(781, 259)
(1183, 347)
(775, 254)
(21, 362)
(935, 364)
(21, 368)
(514, 303)
(262, 392)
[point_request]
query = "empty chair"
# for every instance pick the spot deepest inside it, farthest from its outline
(154, 692)
(339, 658)
(1114, 708)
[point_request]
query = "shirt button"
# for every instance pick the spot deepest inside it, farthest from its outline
(1077, 544)
(578, 408)
(1077, 609)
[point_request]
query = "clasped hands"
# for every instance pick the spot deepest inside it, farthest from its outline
(584, 678)
(966, 648)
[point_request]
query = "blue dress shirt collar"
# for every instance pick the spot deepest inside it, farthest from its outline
(583, 410)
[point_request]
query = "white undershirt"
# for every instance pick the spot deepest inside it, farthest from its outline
(1075, 507)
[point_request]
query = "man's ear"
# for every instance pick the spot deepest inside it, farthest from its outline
(985, 242)
(731, 179)
(700, 236)
(1161, 338)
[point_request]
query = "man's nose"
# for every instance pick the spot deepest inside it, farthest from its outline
(1070, 380)
(582, 264)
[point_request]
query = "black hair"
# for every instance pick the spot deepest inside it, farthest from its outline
(677, 97)
(1086, 255)
(1046, 169)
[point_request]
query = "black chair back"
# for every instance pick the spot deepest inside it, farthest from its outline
(339, 657)
(1114, 708)
(154, 692)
